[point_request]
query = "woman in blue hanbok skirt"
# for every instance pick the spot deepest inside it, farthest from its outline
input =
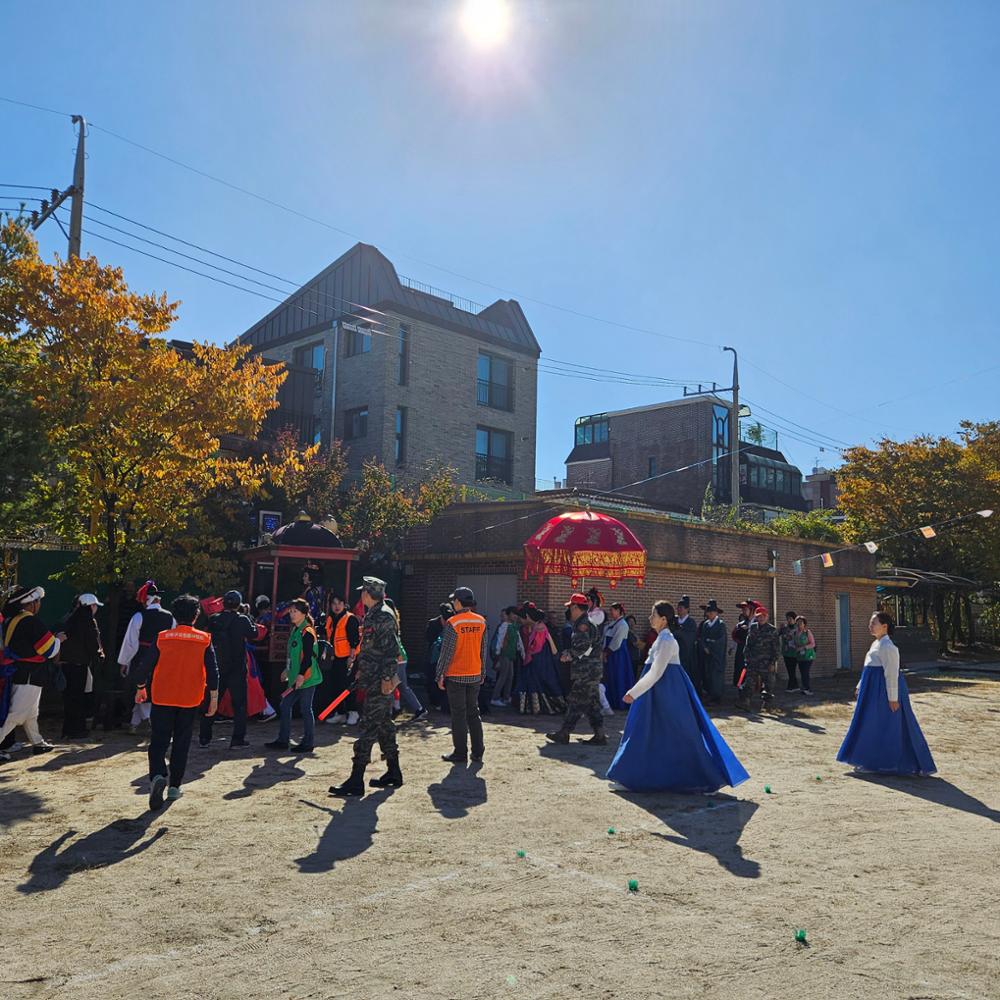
(669, 743)
(618, 674)
(538, 690)
(884, 735)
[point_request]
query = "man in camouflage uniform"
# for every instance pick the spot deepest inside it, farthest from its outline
(375, 667)
(586, 660)
(762, 652)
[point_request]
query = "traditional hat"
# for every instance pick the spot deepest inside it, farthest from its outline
(577, 598)
(711, 606)
(25, 595)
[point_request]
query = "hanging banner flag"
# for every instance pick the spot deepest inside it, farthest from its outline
(797, 567)
(985, 513)
(928, 531)
(827, 559)
(872, 547)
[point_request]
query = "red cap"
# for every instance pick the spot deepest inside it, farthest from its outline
(578, 598)
(760, 610)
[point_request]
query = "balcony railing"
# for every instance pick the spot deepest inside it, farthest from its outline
(494, 469)
(494, 394)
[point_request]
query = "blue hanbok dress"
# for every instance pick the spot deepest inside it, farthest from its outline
(669, 743)
(538, 690)
(878, 738)
(618, 673)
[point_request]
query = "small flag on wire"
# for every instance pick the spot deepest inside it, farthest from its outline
(827, 559)
(985, 513)
(872, 547)
(927, 531)
(797, 567)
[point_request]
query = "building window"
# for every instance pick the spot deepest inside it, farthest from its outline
(400, 435)
(357, 341)
(494, 455)
(652, 468)
(404, 355)
(309, 356)
(593, 430)
(356, 423)
(494, 382)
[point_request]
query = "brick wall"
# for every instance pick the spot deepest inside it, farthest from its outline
(698, 560)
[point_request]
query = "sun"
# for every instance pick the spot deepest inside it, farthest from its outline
(486, 23)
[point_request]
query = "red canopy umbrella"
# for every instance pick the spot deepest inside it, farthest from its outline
(584, 544)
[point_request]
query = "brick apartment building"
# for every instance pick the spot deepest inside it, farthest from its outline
(820, 489)
(628, 450)
(407, 374)
(683, 557)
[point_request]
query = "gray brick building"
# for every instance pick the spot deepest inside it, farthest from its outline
(629, 451)
(410, 375)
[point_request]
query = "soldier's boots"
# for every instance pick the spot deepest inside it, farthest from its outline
(598, 739)
(559, 736)
(392, 778)
(354, 787)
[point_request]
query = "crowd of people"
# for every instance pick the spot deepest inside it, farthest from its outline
(206, 657)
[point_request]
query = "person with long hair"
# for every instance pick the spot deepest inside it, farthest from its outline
(538, 690)
(81, 657)
(805, 651)
(302, 675)
(884, 735)
(669, 742)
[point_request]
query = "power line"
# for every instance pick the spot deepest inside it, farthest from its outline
(794, 424)
(36, 107)
(27, 187)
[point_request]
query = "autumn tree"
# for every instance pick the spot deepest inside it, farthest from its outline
(136, 426)
(897, 486)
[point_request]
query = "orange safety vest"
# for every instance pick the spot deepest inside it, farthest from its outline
(341, 646)
(469, 628)
(179, 675)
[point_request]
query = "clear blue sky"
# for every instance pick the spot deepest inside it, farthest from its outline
(814, 183)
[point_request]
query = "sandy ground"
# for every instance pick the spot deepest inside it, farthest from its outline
(257, 884)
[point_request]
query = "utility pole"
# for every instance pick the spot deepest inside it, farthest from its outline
(74, 191)
(734, 436)
(76, 212)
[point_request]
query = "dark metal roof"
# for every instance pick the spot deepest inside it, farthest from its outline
(589, 452)
(603, 500)
(363, 281)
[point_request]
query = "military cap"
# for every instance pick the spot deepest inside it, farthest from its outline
(374, 586)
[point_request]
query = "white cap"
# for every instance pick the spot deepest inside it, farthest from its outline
(89, 599)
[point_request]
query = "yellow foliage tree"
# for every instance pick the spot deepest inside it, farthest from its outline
(136, 425)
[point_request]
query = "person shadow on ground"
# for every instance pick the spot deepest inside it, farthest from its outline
(460, 790)
(350, 832)
(118, 841)
(933, 789)
(710, 824)
(69, 755)
(266, 774)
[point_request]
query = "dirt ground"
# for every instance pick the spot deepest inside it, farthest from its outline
(257, 884)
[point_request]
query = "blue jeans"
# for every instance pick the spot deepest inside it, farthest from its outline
(407, 696)
(304, 697)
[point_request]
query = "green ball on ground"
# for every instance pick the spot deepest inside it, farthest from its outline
(633, 885)
(767, 789)
(611, 831)
(521, 854)
(800, 935)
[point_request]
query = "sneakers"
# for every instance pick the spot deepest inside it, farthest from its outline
(43, 747)
(156, 791)
(239, 744)
(498, 703)
(173, 793)
(792, 690)
(336, 720)
(352, 718)
(807, 692)
(454, 758)
(277, 745)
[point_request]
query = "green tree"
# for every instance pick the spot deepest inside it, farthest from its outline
(817, 525)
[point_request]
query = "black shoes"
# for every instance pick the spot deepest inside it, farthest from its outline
(455, 758)
(277, 745)
(393, 777)
(159, 786)
(559, 736)
(597, 740)
(303, 747)
(239, 744)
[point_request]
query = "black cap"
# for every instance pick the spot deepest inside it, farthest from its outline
(232, 599)
(463, 594)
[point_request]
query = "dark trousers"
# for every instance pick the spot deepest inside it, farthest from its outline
(463, 700)
(170, 727)
(805, 669)
(434, 694)
(235, 682)
(334, 683)
(791, 663)
(75, 700)
(739, 662)
(715, 677)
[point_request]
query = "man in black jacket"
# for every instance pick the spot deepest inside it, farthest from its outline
(686, 633)
(230, 632)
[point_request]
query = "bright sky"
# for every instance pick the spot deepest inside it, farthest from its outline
(812, 183)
